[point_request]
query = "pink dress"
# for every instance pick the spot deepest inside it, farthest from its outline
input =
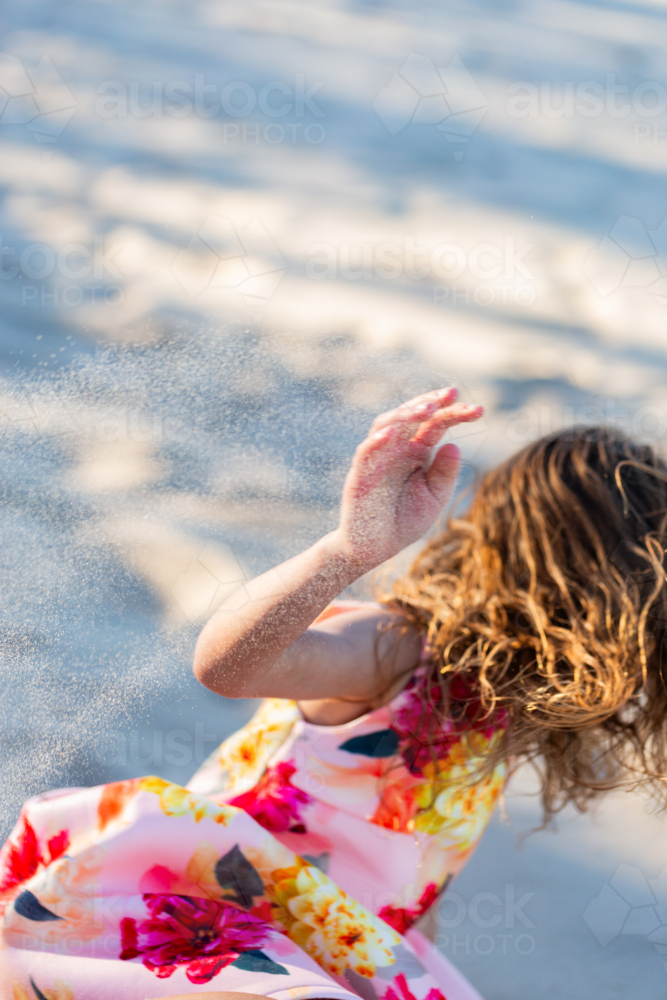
(293, 865)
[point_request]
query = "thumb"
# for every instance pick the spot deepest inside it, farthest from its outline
(441, 476)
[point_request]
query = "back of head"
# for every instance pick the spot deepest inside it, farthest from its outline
(550, 595)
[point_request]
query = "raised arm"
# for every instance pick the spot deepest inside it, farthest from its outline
(259, 643)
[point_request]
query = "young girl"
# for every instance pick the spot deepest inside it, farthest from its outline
(300, 856)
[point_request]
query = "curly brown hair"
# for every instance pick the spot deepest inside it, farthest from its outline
(550, 595)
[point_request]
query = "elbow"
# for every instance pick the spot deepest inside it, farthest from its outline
(214, 673)
(202, 671)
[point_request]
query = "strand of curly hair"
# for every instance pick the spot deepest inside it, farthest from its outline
(550, 598)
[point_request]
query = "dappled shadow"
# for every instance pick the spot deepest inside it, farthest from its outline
(356, 256)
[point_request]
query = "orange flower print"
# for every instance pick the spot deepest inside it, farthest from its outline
(59, 991)
(397, 806)
(244, 756)
(114, 799)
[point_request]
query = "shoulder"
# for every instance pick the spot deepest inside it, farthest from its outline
(368, 653)
(371, 627)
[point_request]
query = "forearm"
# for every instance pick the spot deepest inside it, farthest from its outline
(393, 492)
(254, 627)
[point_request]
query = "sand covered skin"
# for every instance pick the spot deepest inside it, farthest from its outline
(266, 293)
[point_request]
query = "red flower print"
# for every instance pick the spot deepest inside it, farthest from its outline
(420, 741)
(202, 934)
(405, 994)
(274, 801)
(57, 845)
(397, 805)
(402, 919)
(397, 917)
(428, 897)
(414, 723)
(19, 861)
(263, 911)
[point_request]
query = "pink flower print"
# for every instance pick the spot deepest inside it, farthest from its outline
(420, 742)
(274, 801)
(158, 879)
(202, 934)
(471, 712)
(404, 993)
(402, 919)
(413, 722)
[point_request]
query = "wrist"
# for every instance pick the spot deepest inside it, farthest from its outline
(347, 564)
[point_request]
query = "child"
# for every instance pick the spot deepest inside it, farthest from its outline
(301, 855)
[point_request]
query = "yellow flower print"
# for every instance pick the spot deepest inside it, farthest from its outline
(333, 928)
(460, 810)
(451, 802)
(177, 801)
(59, 991)
(244, 756)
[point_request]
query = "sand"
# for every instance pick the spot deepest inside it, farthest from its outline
(232, 233)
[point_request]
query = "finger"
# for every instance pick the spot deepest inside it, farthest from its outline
(415, 408)
(392, 450)
(372, 459)
(375, 445)
(441, 477)
(418, 408)
(429, 433)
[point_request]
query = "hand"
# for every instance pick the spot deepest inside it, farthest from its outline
(394, 492)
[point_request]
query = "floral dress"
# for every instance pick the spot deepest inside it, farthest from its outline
(293, 865)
